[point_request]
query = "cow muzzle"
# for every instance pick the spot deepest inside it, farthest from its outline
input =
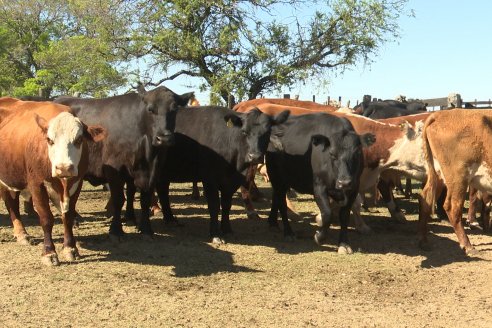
(65, 171)
(163, 140)
(343, 184)
(254, 158)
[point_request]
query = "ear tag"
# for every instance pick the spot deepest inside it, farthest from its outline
(229, 123)
(402, 126)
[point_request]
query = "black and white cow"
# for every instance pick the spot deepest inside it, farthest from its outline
(140, 127)
(216, 146)
(320, 154)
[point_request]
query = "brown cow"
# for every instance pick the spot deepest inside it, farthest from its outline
(395, 148)
(456, 149)
(248, 104)
(44, 150)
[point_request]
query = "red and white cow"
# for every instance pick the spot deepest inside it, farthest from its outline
(43, 148)
(458, 155)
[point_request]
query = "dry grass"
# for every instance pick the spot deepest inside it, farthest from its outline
(179, 279)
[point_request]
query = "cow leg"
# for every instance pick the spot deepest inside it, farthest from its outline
(163, 194)
(42, 207)
(212, 195)
(408, 187)
(472, 210)
(145, 201)
(11, 200)
(254, 193)
(70, 251)
(225, 206)
(195, 192)
(385, 190)
(485, 213)
(282, 206)
(324, 219)
(441, 213)
(248, 204)
(130, 198)
(155, 209)
(425, 210)
(343, 243)
(360, 224)
(454, 207)
(116, 188)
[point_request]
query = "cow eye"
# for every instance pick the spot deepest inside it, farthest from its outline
(78, 141)
(50, 142)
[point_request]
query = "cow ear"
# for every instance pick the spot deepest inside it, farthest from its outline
(282, 117)
(141, 90)
(233, 120)
(185, 98)
(367, 139)
(320, 140)
(95, 133)
(42, 123)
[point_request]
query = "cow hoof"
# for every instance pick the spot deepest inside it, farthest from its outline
(70, 253)
(471, 251)
(399, 217)
(50, 260)
(344, 249)
(319, 237)
(24, 240)
(155, 210)
(425, 246)
(474, 225)
(218, 241)
(253, 216)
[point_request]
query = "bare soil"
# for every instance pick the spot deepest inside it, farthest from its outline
(179, 279)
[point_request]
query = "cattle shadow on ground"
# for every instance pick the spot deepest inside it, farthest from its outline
(188, 257)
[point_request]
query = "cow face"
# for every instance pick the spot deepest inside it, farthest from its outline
(160, 105)
(338, 160)
(65, 136)
(255, 128)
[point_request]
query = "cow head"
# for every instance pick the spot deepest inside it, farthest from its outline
(255, 128)
(160, 105)
(337, 158)
(65, 135)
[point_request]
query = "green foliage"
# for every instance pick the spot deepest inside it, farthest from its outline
(235, 47)
(239, 48)
(57, 47)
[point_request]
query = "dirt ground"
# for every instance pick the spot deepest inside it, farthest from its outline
(179, 279)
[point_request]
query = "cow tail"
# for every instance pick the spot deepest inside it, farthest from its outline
(432, 178)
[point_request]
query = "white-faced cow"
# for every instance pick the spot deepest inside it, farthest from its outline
(457, 151)
(44, 150)
(214, 145)
(140, 126)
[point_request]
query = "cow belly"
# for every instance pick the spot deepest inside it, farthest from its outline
(481, 177)
(11, 186)
(368, 179)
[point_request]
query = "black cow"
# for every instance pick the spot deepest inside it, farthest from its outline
(320, 155)
(392, 108)
(216, 146)
(140, 128)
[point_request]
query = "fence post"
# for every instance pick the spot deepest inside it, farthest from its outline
(314, 98)
(286, 95)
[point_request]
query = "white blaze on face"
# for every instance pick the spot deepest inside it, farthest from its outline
(64, 144)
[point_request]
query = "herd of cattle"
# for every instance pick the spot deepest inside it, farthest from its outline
(148, 139)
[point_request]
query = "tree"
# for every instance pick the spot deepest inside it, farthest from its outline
(58, 47)
(242, 48)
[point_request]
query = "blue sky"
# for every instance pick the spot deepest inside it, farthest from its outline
(445, 48)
